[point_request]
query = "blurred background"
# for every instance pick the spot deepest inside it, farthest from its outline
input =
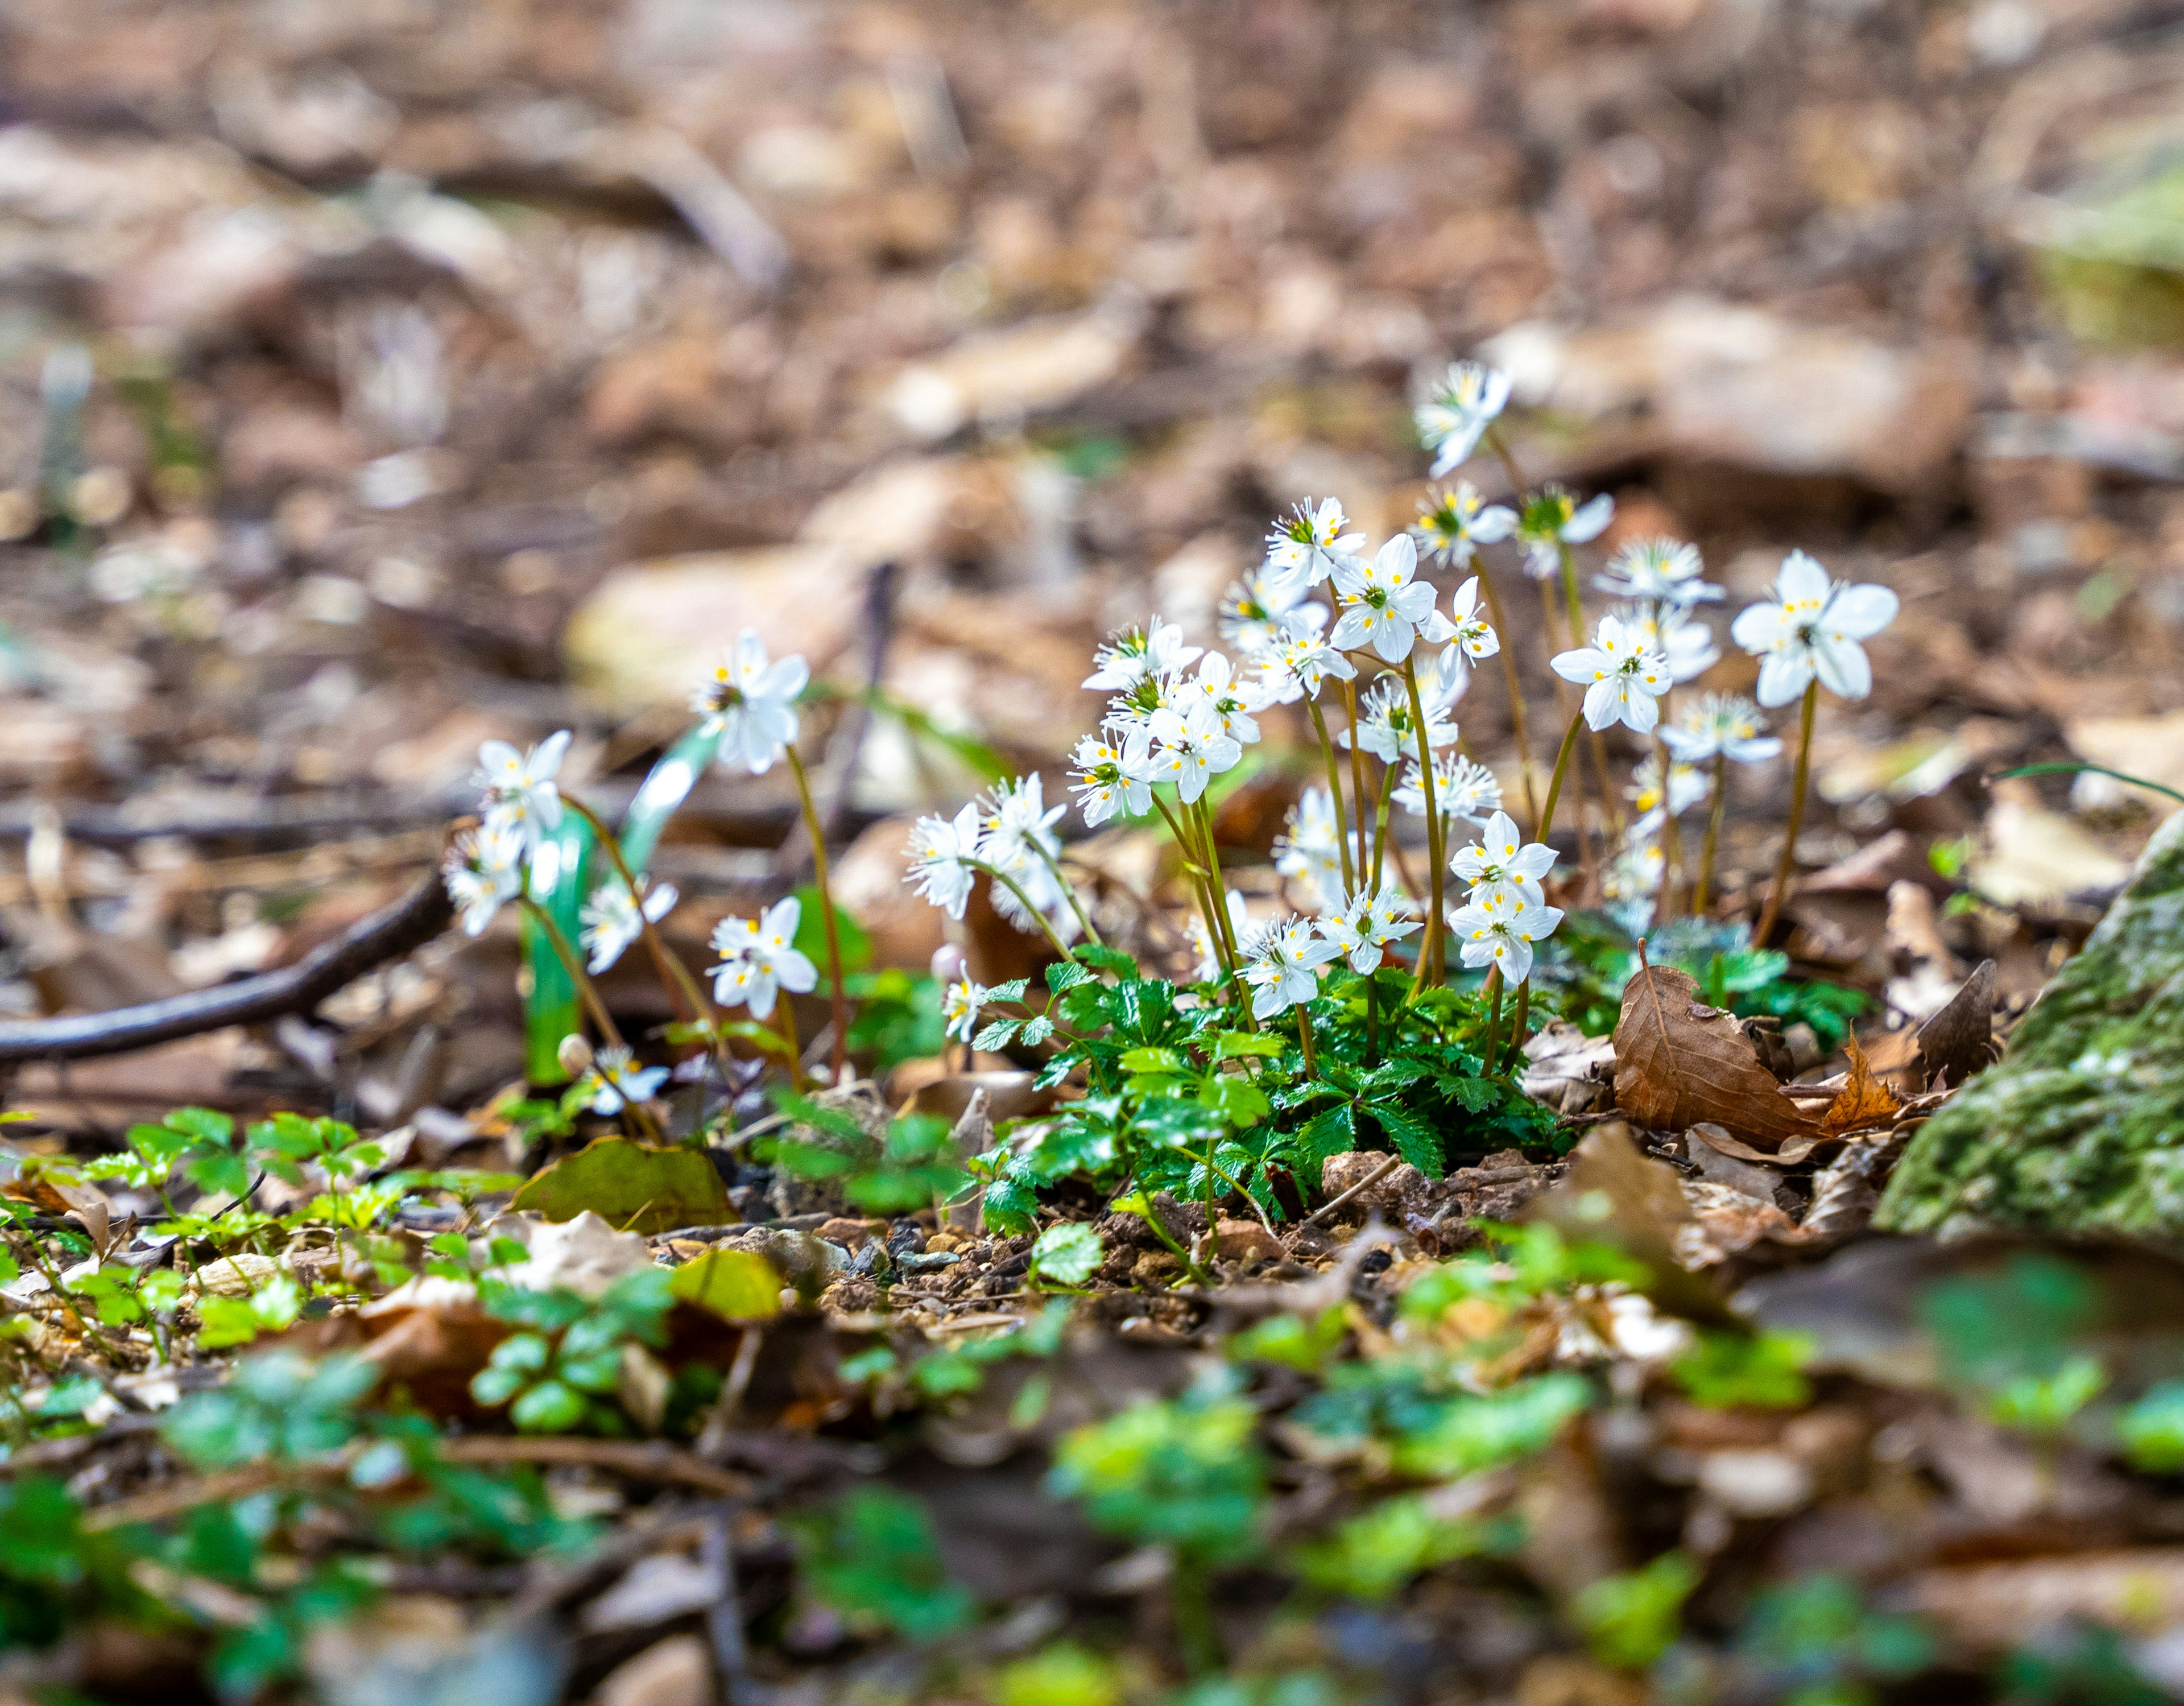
(381, 376)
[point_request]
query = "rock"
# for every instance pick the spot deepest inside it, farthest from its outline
(652, 631)
(1246, 1241)
(2081, 1131)
(673, 1672)
(852, 1233)
(1710, 381)
(1400, 1187)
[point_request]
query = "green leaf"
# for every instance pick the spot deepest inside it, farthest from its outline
(1064, 975)
(1415, 1141)
(1102, 958)
(1037, 1030)
(735, 1285)
(633, 1187)
(873, 1558)
(1013, 990)
(1239, 1102)
(1155, 1060)
(997, 1035)
(1228, 1045)
(1631, 1620)
(1333, 1132)
(661, 793)
(1069, 1254)
(559, 883)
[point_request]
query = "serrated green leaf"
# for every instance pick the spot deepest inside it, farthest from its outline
(1069, 1254)
(997, 1035)
(1037, 1030)
(1415, 1141)
(1105, 959)
(1333, 1132)
(1013, 990)
(1064, 975)
(1228, 1045)
(1154, 1060)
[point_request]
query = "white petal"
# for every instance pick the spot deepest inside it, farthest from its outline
(1862, 611)
(1783, 675)
(1591, 519)
(1843, 668)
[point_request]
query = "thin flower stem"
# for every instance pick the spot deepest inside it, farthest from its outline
(1714, 817)
(1493, 1017)
(1780, 891)
(1570, 592)
(1563, 696)
(839, 995)
(1196, 871)
(1672, 837)
(1561, 768)
(1380, 826)
(1009, 883)
(1527, 765)
(1429, 955)
(786, 1009)
(586, 990)
(1517, 1027)
(1304, 1036)
(1334, 784)
(678, 977)
(1356, 764)
(1218, 888)
(1068, 892)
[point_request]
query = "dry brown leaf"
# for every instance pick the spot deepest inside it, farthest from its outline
(1614, 1195)
(1680, 1062)
(1795, 1150)
(1863, 1102)
(1959, 1039)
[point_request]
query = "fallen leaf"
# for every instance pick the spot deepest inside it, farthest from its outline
(634, 1186)
(2036, 858)
(1863, 1102)
(1613, 1195)
(1567, 1068)
(53, 1190)
(1795, 1150)
(1680, 1062)
(1959, 1039)
(735, 1285)
(582, 1254)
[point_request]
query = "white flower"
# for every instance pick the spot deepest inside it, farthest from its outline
(1384, 607)
(483, 869)
(616, 1081)
(1190, 748)
(1550, 521)
(1664, 572)
(1462, 789)
(1230, 700)
(1474, 638)
(944, 855)
(1810, 626)
(1308, 545)
(1252, 609)
(1503, 938)
(1721, 725)
(1455, 524)
(1282, 960)
(1635, 872)
(1687, 647)
(519, 791)
(1302, 659)
(960, 1003)
(1458, 410)
(1201, 939)
(1156, 648)
(759, 958)
(1111, 774)
(1385, 727)
(751, 703)
(1364, 928)
(1310, 848)
(1688, 786)
(1623, 682)
(1502, 869)
(1017, 840)
(611, 922)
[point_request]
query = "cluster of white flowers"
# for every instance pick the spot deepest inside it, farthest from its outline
(1009, 834)
(1507, 910)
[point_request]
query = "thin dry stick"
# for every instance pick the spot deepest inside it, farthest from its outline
(1365, 1184)
(1780, 891)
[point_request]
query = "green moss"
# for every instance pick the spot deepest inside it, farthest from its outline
(2081, 1128)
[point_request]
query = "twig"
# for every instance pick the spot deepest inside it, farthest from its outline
(1366, 1182)
(409, 923)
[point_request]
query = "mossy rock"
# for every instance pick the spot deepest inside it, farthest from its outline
(2081, 1131)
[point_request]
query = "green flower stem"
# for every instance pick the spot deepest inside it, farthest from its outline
(1430, 953)
(1195, 871)
(1716, 813)
(679, 979)
(1576, 600)
(1068, 892)
(840, 995)
(1304, 1038)
(785, 1012)
(1380, 826)
(1357, 768)
(1780, 891)
(1672, 837)
(1334, 782)
(1009, 883)
(1493, 1017)
(589, 992)
(1217, 890)
(1528, 767)
(1517, 1027)
(1562, 769)
(1190, 1602)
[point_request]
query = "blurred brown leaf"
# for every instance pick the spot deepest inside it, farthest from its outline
(1679, 1061)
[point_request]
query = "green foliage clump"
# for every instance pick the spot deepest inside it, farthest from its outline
(872, 1558)
(1631, 1620)
(913, 1166)
(1373, 1554)
(560, 1372)
(1588, 960)
(1187, 1473)
(1763, 1371)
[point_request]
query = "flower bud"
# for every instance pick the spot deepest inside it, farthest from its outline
(575, 1054)
(949, 963)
